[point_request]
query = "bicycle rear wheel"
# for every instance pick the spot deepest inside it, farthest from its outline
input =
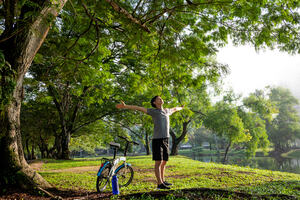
(125, 175)
(103, 179)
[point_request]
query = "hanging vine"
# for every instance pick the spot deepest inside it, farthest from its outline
(161, 75)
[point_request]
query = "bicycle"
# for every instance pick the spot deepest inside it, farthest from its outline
(111, 167)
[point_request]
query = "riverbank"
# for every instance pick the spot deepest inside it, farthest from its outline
(292, 154)
(211, 180)
(285, 163)
(207, 152)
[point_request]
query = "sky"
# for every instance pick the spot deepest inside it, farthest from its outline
(250, 70)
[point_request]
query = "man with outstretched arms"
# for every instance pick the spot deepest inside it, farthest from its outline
(160, 141)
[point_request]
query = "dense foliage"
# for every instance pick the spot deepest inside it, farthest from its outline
(94, 57)
(285, 127)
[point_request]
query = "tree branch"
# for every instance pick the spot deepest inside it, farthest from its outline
(77, 106)
(89, 122)
(190, 4)
(136, 7)
(128, 128)
(52, 93)
(198, 112)
(129, 16)
(184, 130)
(78, 37)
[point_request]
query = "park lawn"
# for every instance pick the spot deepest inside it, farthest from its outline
(183, 172)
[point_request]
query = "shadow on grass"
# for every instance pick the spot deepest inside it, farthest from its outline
(209, 193)
(191, 193)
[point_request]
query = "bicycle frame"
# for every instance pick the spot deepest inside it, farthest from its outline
(115, 167)
(114, 163)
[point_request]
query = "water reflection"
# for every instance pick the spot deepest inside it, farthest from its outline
(271, 163)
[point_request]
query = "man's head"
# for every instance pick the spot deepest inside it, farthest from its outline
(157, 102)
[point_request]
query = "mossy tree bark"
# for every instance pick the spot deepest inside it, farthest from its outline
(23, 35)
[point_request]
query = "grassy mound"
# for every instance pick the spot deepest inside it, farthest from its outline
(189, 177)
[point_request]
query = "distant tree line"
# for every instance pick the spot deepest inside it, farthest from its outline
(266, 118)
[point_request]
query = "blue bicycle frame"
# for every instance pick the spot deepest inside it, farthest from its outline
(116, 171)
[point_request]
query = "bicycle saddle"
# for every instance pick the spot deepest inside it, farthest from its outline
(116, 145)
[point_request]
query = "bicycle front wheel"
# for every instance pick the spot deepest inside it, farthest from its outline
(103, 179)
(125, 175)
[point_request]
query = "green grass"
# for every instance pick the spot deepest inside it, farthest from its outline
(64, 164)
(181, 171)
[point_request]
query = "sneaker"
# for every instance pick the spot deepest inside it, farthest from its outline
(167, 183)
(162, 186)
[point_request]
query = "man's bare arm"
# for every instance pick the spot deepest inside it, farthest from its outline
(131, 107)
(175, 109)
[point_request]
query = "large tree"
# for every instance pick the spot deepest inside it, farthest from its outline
(197, 102)
(242, 123)
(285, 127)
(257, 111)
(39, 128)
(200, 25)
(223, 119)
(24, 27)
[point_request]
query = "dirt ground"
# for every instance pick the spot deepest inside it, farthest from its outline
(193, 193)
(14, 194)
(67, 195)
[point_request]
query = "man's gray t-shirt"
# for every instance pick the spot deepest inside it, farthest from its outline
(161, 122)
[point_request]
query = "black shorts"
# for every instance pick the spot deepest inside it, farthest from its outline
(160, 149)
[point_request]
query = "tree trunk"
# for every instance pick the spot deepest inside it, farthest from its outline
(216, 141)
(147, 143)
(42, 151)
(14, 169)
(63, 105)
(27, 148)
(176, 141)
(43, 148)
(55, 150)
(19, 51)
(57, 146)
(226, 152)
(47, 153)
(175, 145)
(32, 151)
(65, 141)
(278, 148)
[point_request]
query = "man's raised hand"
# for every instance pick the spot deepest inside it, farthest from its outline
(121, 105)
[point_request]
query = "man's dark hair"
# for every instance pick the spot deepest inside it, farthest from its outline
(152, 101)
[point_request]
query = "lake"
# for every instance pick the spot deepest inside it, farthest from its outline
(270, 163)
